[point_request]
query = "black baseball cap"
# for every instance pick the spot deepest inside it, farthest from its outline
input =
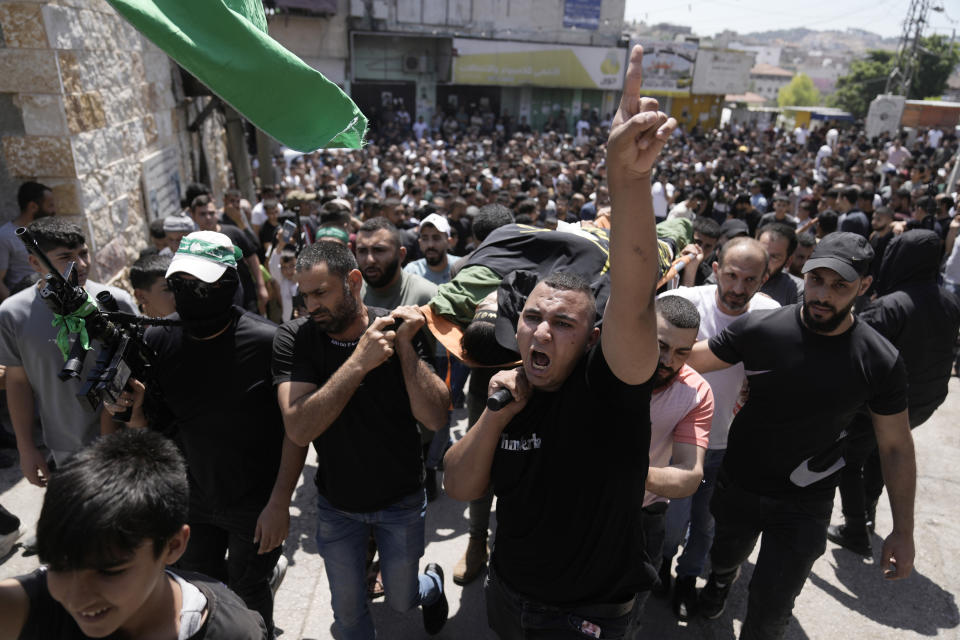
(849, 254)
(734, 228)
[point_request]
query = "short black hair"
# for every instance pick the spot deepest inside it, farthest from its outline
(806, 239)
(200, 201)
(31, 192)
(851, 194)
(479, 343)
(375, 224)
(488, 218)
(338, 258)
(53, 233)
(679, 312)
(925, 204)
(827, 221)
(194, 189)
(706, 227)
(570, 281)
(527, 207)
(148, 269)
(104, 502)
(156, 229)
(783, 230)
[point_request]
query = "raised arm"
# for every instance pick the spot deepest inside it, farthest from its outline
(638, 132)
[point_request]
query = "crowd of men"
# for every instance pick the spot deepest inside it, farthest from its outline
(648, 400)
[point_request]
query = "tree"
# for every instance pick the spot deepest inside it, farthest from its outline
(799, 93)
(868, 77)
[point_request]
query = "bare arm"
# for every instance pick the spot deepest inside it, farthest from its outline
(684, 474)
(308, 411)
(466, 465)
(703, 360)
(273, 525)
(20, 401)
(638, 132)
(429, 396)
(14, 609)
(895, 444)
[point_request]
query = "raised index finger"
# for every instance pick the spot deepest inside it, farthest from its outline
(633, 81)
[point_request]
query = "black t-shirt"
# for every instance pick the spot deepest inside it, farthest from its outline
(248, 246)
(220, 401)
(227, 617)
(569, 475)
(779, 446)
(370, 456)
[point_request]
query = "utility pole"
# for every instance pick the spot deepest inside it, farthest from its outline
(908, 49)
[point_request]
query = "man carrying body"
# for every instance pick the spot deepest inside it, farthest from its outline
(28, 349)
(35, 201)
(356, 387)
(780, 470)
(740, 271)
(681, 410)
(551, 573)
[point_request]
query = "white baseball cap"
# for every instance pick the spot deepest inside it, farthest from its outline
(437, 221)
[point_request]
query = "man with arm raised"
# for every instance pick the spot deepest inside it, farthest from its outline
(568, 457)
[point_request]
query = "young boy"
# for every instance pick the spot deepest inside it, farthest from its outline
(113, 518)
(149, 281)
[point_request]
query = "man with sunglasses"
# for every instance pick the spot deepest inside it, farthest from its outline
(212, 387)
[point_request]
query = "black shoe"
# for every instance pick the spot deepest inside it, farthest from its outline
(713, 597)
(685, 597)
(662, 590)
(431, 485)
(850, 538)
(435, 615)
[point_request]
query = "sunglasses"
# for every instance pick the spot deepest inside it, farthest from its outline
(195, 288)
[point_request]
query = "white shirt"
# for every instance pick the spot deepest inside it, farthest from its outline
(800, 136)
(933, 138)
(661, 194)
(726, 383)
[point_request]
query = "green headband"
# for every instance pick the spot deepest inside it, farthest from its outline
(227, 256)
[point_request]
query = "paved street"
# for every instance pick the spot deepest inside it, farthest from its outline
(845, 597)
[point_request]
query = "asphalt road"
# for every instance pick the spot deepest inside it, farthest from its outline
(845, 597)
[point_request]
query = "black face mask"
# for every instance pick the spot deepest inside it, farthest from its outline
(205, 308)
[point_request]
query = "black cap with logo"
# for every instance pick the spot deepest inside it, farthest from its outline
(849, 254)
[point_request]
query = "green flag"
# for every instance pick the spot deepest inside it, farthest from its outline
(225, 44)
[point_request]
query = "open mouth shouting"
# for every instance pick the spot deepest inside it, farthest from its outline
(539, 361)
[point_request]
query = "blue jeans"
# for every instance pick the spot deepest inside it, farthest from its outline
(342, 542)
(695, 511)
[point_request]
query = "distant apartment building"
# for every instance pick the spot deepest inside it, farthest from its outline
(766, 80)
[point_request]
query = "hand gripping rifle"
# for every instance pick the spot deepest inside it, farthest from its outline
(123, 353)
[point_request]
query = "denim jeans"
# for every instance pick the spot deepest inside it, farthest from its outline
(342, 538)
(794, 536)
(513, 616)
(215, 534)
(695, 511)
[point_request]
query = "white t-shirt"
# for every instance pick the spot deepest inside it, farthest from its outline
(726, 383)
(661, 194)
(800, 135)
(258, 216)
(933, 138)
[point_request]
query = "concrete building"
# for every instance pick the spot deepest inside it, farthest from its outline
(532, 59)
(92, 109)
(766, 80)
(769, 55)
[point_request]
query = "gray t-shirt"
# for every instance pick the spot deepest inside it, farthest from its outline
(13, 256)
(409, 289)
(28, 340)
(421, 268)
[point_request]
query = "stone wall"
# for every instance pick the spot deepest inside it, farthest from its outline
(84, 99)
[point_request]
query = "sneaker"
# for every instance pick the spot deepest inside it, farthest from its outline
(435, 615)
(8, 540)
(279, 571)
(685, 597)
(473, 561)
(713, 597)
(851, 538)
(662, 590)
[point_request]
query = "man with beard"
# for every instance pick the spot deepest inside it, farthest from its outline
(739, 272)
(355, 382)
(780, 241)
(681, 409)
(806, 242)
(380, 253)
(781, 468)
(212, 390)
(434, 244)
(35, 201)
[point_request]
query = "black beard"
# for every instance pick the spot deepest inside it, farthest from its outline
(828, 325)
(341, 316)
(388, 273)
(661, 378)
(434, 260)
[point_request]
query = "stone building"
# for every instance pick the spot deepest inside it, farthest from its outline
(91, 108)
